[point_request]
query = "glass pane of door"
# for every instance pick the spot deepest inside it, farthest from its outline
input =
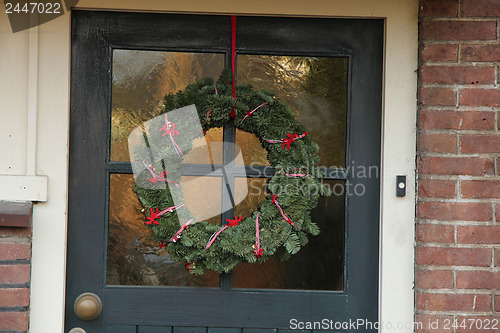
(140, 81)
(315, 88)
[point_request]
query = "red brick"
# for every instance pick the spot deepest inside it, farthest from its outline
(449, 256)
(480, 143)
(475, 324)
(14, 273)
(456, 211)
(457, 74)
(13, 321)
(436, 188)
(438, 8)
(478, 280)
(497, 303)
(14, 297)
(436, 143)
(479, 234)
(480, 189)
(497, 212)
(458, 30)
(466, 120)
(13, 251)
(432, 233)
(480, 97)
(453, 302)
(473, 166)
(490, 52)
(439, 52)
(434, 324)
(10, 231)
(437, 96)
(497, 257)
(480, 8)
(436, 279)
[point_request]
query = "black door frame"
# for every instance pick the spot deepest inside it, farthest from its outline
(94, 36)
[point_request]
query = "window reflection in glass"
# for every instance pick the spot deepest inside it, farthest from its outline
(133, 257)
(318, 266)
(315, 88)
(140, 81)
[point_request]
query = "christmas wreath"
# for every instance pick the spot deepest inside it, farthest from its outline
(281, 222)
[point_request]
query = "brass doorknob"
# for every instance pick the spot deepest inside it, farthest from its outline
(88, 306)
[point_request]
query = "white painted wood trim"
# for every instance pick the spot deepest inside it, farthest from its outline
(31, 125)
(23, 188)
(398, 145)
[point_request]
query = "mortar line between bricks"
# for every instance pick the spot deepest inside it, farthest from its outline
(495, 165)
(428, 42)
(14, 285)
(459, 86)
(496, 122)
(470, 64)
(497, 31)
(459, 54)
(14, 309)
(459, 19)
(459, 200)
(449, 291)
(450, 223)
(457, 268)
(457, 131)
(462, 155)
(453, 313)
(455, 235)
(459, 9)
(15, 262)
(477, 246)
(457, 177)
(460, 108)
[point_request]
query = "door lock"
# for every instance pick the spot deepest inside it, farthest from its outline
(88, 306)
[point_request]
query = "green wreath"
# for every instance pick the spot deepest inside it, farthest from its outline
(281, 222)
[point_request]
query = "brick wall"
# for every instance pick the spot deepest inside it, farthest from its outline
(15, 254)
(457, 274)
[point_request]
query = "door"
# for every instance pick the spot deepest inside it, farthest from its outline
(329, 71)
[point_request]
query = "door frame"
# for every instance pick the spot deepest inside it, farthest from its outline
(398, 144)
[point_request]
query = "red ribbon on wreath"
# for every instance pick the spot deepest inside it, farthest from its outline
(275, 201)
(177, 235)
(301, 173)
(153, 215)
(169, 129)
(257, 251)
(157, 177)
(231, 223)
(288, 140)
(249, 113)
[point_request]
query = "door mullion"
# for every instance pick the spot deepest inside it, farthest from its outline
(229, 137)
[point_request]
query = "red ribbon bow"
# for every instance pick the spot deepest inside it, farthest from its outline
(233, 222)
(169, 129)
(153, 216)
(288, 141)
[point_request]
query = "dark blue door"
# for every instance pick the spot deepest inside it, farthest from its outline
(329, 71)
